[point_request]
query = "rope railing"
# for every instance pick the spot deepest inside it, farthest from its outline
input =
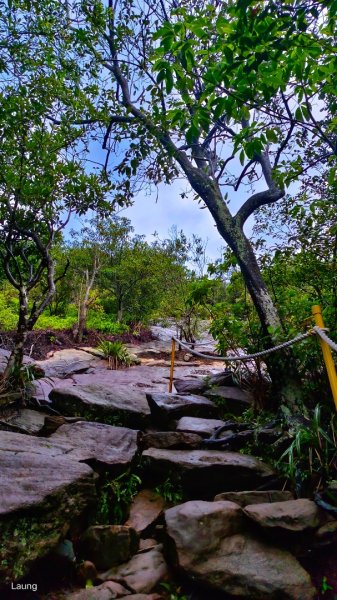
(319, 330)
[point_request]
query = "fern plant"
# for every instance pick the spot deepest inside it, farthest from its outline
(116, 353)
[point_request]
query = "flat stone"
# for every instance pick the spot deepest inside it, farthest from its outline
(24, 421)
(222, 378)
(190, 386)
(4, 356)
(115, 447)
(234, 399)
(142, 573)
(211, 548)
(145, 509)
(126, 405)
(108, 545)
(176, 440)
(173, 406)
(64, 363)
(292, 515)
(204, 427)
(255, 497)
(208, 472)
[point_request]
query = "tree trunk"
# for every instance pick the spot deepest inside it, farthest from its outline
(11, 374)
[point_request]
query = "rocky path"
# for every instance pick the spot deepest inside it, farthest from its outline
(208, 515)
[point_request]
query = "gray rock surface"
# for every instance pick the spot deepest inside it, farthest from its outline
(176, 440)
(255, 497)
(233, 399)
(204, 427)
(128, 406)
(208, 472)
(209, 547)
(190, 386)
(64, 363)
(173, 406)
(142, 573)
(115, 447)
(109, 590)
(292, 515)
(24, 421)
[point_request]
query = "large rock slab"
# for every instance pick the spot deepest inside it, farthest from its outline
(116, 404)
(40, 494)
(207, 543)
(255, 497)
(142, 573)
(176, 440)
(208, 472)
(233, 399)
(165, 407)
(204, 427)
(292, 515)
(64, 363)
(115, 447)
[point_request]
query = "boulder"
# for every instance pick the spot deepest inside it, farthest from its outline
(64, 363)
(176, 440)
(142, 573)
(223, 378)
(117, 404)
(292, 515)
(108, 545)
(42, 491)
(232, 399)
(145, 509)
(165, 407)
(207, 543)
(24, 421)
(190, 386)
(115, 447)
(208, 472)
(204, 427)
(255, 497)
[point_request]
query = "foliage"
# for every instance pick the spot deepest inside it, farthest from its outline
(115, 498)
(312, 454)
(170, 490)
(173, 592)
(116, 353)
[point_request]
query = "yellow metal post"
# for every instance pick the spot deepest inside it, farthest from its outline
(329, 363)
(173, 353)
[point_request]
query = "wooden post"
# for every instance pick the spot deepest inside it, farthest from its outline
(329, 363)
(173, 353)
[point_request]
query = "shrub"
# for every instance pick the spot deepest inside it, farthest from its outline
(116, 353)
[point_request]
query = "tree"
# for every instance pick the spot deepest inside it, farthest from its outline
(192, 86)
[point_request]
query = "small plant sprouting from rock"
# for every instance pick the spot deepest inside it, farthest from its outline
(115, 497)
(172, 592)
(170, 491)
(116, 353)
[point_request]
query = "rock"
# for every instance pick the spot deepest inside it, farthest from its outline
(142, 573)
(204, 427)
(42, 491)
(98, 443)
(64, 363)
(24, 421)
(106, 591)
(147, 544)
(42, 387)
(108, 545)
(86, 571)
(326, 534)
(173, 406)
(292, 515)
(176, 440)
(145, 509)
(124, 405)
(201, 524)
(53, 422)
(232, 399)
(268, 435)
(27, 361)
(190, 386)
(207, 472)
(223, 378)
(255, 497)
(210, 548)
